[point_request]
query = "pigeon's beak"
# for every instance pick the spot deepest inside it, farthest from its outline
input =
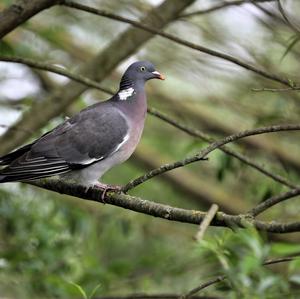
(158, 75)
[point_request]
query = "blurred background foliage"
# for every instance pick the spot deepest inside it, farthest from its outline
(49, 242)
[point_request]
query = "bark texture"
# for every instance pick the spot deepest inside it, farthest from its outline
(19, 12)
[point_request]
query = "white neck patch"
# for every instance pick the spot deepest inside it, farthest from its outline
(125, 93)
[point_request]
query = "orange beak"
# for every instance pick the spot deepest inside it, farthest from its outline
(158, 75)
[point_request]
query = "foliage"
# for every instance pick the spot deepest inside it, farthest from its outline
(55, 248)
(240, 255)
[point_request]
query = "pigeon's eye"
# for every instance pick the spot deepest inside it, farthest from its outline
(142, 68)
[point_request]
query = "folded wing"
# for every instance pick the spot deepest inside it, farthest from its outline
(89, 137)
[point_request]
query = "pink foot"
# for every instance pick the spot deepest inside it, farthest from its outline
(105, 187)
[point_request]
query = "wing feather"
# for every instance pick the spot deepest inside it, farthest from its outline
(92, 135)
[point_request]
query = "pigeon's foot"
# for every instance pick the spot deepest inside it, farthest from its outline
(105, 188)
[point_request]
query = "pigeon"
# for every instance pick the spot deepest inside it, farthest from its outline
(85, 146)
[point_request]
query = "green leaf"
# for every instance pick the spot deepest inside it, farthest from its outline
(94, 291)
(294, 41)
(80, 289)
(284, 249)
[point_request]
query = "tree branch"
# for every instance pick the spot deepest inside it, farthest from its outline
(19, 12)
(276, 89)
(223, 277)
(156, 296)
(202, 154)
(206, 221)
(287, 20)
(225, 149)
(221, 6)
(263, 206)
(202, 286)
(163, 211)
(173, 38)
(54, 69)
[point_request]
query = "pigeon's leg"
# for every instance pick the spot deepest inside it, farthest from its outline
(105, 187)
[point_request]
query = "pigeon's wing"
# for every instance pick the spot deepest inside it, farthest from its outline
(90, 136)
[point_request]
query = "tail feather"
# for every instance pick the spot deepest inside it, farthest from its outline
(3, 178)
(10, 157)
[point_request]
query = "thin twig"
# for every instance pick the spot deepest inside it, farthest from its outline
(173, 38)
(287, 20)
(53, 69)
(223, 277)
(263, 206)
(280, 260)
(221, 6)
(154, 296)
(271, 14)
(203, 286)
(276, 89)
(202, 154)
(225, 149)
(206, 221)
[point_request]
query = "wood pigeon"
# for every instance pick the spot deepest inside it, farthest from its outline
(85, 146)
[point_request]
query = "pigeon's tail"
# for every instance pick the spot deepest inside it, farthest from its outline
(7, 159)
(3, 178)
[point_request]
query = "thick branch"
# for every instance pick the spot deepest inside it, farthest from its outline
(19, 12)
(173, 38)
(164, 211)
(202, 154)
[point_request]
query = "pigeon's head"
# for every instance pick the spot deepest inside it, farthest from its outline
(142, 71)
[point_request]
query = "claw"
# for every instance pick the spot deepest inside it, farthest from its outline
(105, 188)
